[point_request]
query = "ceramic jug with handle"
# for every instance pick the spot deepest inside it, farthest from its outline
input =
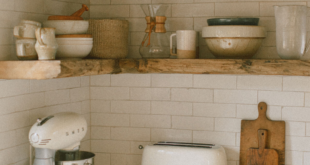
(291, 31)
(46, 45)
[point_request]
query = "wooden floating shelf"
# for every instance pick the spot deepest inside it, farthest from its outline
(74, 68)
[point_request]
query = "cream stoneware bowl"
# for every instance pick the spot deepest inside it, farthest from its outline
(68, 26)
(234, 42)
(73, 51)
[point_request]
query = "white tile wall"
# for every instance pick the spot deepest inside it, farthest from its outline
(196, 108)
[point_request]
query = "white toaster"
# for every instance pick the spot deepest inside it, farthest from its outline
(175, 153)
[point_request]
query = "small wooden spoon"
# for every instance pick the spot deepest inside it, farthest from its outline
(74, 16)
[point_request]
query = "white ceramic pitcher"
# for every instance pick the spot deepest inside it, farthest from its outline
(46, 45)
(291, 31)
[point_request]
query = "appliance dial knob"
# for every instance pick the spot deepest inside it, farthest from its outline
(34, 138)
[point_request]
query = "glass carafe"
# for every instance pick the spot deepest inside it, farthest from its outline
(155, 43)
(291, 31)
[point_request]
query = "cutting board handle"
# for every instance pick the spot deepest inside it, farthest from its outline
(262, 108)
(262, 139)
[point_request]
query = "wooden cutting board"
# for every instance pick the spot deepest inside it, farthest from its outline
(262, 156)
(275, 138)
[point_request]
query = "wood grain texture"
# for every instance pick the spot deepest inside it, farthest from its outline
(275, 139)
(29, 69)
(261, 155)
(217, 66)
(73, 68)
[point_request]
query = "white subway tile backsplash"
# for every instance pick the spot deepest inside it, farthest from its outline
(8, 139)
(57, 97)
(222, 138)
(171, 135)
(131, 107)
(100, 132)
(295, 128)
(100, 106)
(134, 146)
(293, 157)
(260, 82)
(266, 8)
(192, 95)
(215, 81)
(150, 93)
(250, 112)
(172, 80)
(100, 80)
(232, 153)
(281, 98)
(117, 159)
(297, 143)
(138, 134)
(248, 9)
(214, 110)
(79, 94)
(193, 123)
(131, 80)
(108, 11)
(235, 96)
(307, 129)
(151, 121)
(296, 83)
(227, 125)
(101, 119)
(107, 93)
(121, 2)
(110, 146)
(192, 10)
(171, 108)
(296, 113)
(174, 24)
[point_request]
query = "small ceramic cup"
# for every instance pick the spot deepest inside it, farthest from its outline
(26, 29)
(186, 44)
(46, 45)
(25, 49)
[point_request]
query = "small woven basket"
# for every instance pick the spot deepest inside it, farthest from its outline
(110, 38)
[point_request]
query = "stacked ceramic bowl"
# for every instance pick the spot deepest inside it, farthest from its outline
(234, 38)
(71, 37)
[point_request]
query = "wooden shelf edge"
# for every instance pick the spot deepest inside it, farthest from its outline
(73, 68)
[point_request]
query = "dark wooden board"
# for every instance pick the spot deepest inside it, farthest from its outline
(275, 139)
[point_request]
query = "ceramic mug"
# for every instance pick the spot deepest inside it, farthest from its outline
(46, 45)
(25, 49)
(186, 44)
(26, 29)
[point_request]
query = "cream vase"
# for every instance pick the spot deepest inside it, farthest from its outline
(46, 45)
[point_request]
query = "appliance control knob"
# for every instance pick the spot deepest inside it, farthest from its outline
(34, 138)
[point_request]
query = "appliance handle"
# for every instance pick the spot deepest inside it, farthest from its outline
(171, 51)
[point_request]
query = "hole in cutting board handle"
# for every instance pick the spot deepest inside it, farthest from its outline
(263, 134)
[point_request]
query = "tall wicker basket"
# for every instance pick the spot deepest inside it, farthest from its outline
(110, 38)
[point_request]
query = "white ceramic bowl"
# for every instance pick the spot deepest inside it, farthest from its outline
(234, 42)
(68, 26)
(73, 51)
(78, 42)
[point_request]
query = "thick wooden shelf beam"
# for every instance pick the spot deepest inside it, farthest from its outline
(74, 68)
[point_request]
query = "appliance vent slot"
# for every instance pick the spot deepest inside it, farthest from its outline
(181, 144)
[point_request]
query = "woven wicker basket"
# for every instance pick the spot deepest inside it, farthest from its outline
(110, 38)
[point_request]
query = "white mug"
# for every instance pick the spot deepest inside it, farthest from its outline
(25, 49)
(26, 29)
(46, 45)
(187, 43)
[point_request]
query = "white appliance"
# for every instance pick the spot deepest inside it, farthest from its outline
(174, 153)
(62, 131)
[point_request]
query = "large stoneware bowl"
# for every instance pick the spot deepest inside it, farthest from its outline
(68, 26)
(234, 42)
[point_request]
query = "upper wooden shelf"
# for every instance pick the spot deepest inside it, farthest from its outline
(73, 68)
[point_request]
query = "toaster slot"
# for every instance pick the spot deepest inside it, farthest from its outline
(181, 144)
